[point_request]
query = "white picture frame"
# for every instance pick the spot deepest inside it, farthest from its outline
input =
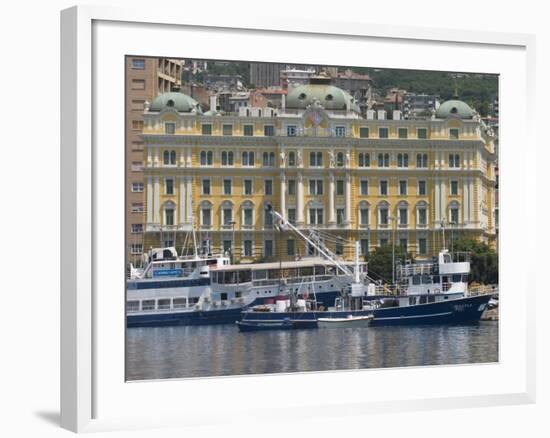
(84, 372)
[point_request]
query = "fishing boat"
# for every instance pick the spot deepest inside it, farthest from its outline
(434, 292)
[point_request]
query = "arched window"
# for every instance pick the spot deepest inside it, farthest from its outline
(227, 213)
(169, 213)
(173, 157)
(206, 214)
(403, 214)
(405, 160)
(364, 210)
(209, 158)
(340, 159)
(319, 159)
(230, 158)
(454, 160)
(422, 160)
(383, 214)
(422, 214)
(224, 158)
(203, 158)
(454, 213)
(291, 159)
(383, 160)
(166, 158)
(399, 160)
(247, 209)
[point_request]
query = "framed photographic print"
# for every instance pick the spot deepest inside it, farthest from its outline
(287, 230)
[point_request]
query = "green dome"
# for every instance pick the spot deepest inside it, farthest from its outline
(329, 96)
(454, 108)
(178, 101)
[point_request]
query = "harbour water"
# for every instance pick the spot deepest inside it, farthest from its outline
(201, 351)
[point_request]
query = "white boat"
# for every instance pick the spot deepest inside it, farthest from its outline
(349, 321)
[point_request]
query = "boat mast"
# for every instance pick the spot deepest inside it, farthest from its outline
(443, 230)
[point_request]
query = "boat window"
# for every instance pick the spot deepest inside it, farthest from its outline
(273, 274)
(426, 279)
(229, 277)
(306, 272)
(261, 274)
(431, 299)
(446, 258)
(457, 278)
(445, 279)
(179, 303)
(412, 301)
(465, 278)
(423, 299)
(436, 279)
(238, 294)
(211, 262)
(416, 279)
(245, 276)
(223, 296)
(163, 304)
(132, 306)
(319, 270)
(148, 305)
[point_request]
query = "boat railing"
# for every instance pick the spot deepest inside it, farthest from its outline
(415, 269)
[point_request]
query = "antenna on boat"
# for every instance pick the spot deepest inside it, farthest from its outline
(194, 237)
(443, 230)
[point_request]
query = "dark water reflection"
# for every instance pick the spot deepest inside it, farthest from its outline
(175, 352)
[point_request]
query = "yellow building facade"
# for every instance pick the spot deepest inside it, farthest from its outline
(324, 167)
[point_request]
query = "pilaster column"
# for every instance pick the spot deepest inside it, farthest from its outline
(282, 203)
(189, 196)
(471, 196)
(437, 200)
(182, 200)
(465, 199)
(347, 213)
(300, 199)
(156, 211)
(331, 217)
(149, 199)
(444, 214)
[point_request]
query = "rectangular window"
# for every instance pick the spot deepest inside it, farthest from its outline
(339, 216)
(290, 250)
(227, 244)
(364, 187)
(340, 187)
(403, 216)
(364, 246)
(137, 105)
(291, 217)
(422, 133)
(206, 219)
(137, 187)
(227, 129)
(454, 215)
(315, 187)
(248, 130)
(422, 216)
(137, 125)
(137, 207)
(403, 133)
(383, 188)
(227, 216)
(248, 219)
(383, 216)
(206, 129)
(268, 219)
(137, 146)
(291, 186)
(227, 183)
(316, 216)
(339, 248)
(137, 248)
(268, 187)
(269, 130)
(169, 186)
(169, 217)
(138, 64)
(291, 130)
(403, 243)
(205, 186)
(383, 132)
(247, 248)
(247, 187)
(268, 248)
(364, 132)
(403, 187)
(137, 228)
(422, 188)
(138, 84)
(453, 133)
(340, 131)
(422, 246)
(137, 166)
(454, 188)
(364, 216)
(169, 128)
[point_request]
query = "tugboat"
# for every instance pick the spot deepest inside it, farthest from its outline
(425, 293)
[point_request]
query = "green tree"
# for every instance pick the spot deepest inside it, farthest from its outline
(484, 260)
(380, 261)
